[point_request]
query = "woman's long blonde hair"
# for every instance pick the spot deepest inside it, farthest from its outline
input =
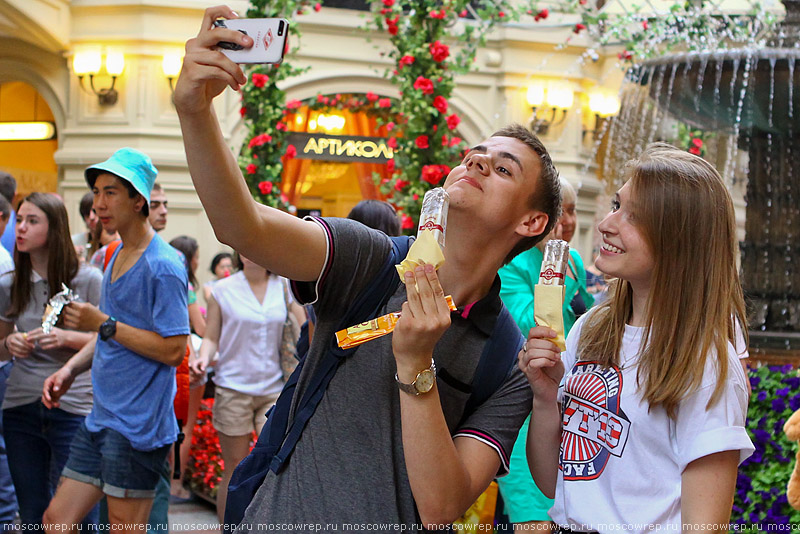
(686, 217)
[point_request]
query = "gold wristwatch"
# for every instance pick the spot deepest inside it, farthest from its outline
(423, 383)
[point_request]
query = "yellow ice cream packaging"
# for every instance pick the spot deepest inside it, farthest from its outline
(427, 248)
(374, 328)
(548, 296)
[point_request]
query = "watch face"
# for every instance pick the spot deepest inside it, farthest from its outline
(425, 380)
(107, 329)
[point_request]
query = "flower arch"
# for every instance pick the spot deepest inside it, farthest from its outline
(421, 67)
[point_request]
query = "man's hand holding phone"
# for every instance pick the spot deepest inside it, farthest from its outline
(269, 40)
(206, 70)
(210, 63)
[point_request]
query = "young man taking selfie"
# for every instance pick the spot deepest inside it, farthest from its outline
(377, 450)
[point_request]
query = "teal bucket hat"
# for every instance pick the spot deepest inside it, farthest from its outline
(131, 165)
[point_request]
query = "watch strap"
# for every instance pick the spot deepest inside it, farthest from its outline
(411, 388)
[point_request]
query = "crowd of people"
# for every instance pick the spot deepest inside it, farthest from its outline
(109, 431)
(650, 377)
(640, 421)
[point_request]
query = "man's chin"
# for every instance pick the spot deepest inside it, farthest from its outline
(460, 197)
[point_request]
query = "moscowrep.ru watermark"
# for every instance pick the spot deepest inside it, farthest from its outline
(657, 527)
(373, 527)
(327, 527)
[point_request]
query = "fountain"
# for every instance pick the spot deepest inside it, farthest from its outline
(748, 97)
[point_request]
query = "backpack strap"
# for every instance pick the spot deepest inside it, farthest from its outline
(371, 300)
(278, 438)
(114, 245)
(497, 359)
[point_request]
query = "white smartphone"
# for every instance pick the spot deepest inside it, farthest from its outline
(269, 40)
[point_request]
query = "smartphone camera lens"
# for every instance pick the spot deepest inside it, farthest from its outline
(281, 24)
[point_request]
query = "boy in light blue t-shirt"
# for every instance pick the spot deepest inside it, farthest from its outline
(142, 325)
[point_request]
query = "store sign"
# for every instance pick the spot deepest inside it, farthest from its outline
(341, 147)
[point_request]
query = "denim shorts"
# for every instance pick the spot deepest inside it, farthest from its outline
(107, 460)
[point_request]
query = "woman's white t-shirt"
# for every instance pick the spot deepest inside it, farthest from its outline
(250, 337)
(620, 466)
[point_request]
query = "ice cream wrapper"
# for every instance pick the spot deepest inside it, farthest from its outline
(427, 248)
(374, 328)
(548, 296)
(548, 305)
(554, 263)
(54, 307)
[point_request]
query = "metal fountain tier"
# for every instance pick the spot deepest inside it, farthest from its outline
(752, 96)
(744, 89)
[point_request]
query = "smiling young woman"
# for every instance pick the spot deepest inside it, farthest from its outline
(652, 374)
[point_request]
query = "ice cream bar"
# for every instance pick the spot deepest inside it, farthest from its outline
(374, 328)
(54, 307)
(554, 263)
(433, 216)
(548, 295)
(427, 248)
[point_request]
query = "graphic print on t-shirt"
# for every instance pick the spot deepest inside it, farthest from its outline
(594, 427)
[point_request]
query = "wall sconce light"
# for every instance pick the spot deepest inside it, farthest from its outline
(90, 62)
(27, 131)
(171, 65)
(549, 101)
(603, 103)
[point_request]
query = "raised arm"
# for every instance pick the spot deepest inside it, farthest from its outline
(282, 243)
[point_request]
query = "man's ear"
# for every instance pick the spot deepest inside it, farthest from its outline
(139, 206)
(533, 224)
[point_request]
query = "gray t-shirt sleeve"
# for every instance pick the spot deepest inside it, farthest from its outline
(355, 255)
(498, 420)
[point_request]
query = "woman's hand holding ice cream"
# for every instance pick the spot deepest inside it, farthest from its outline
(540, 360)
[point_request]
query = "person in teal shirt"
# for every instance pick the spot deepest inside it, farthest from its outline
(520, 277)
(524, 503)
